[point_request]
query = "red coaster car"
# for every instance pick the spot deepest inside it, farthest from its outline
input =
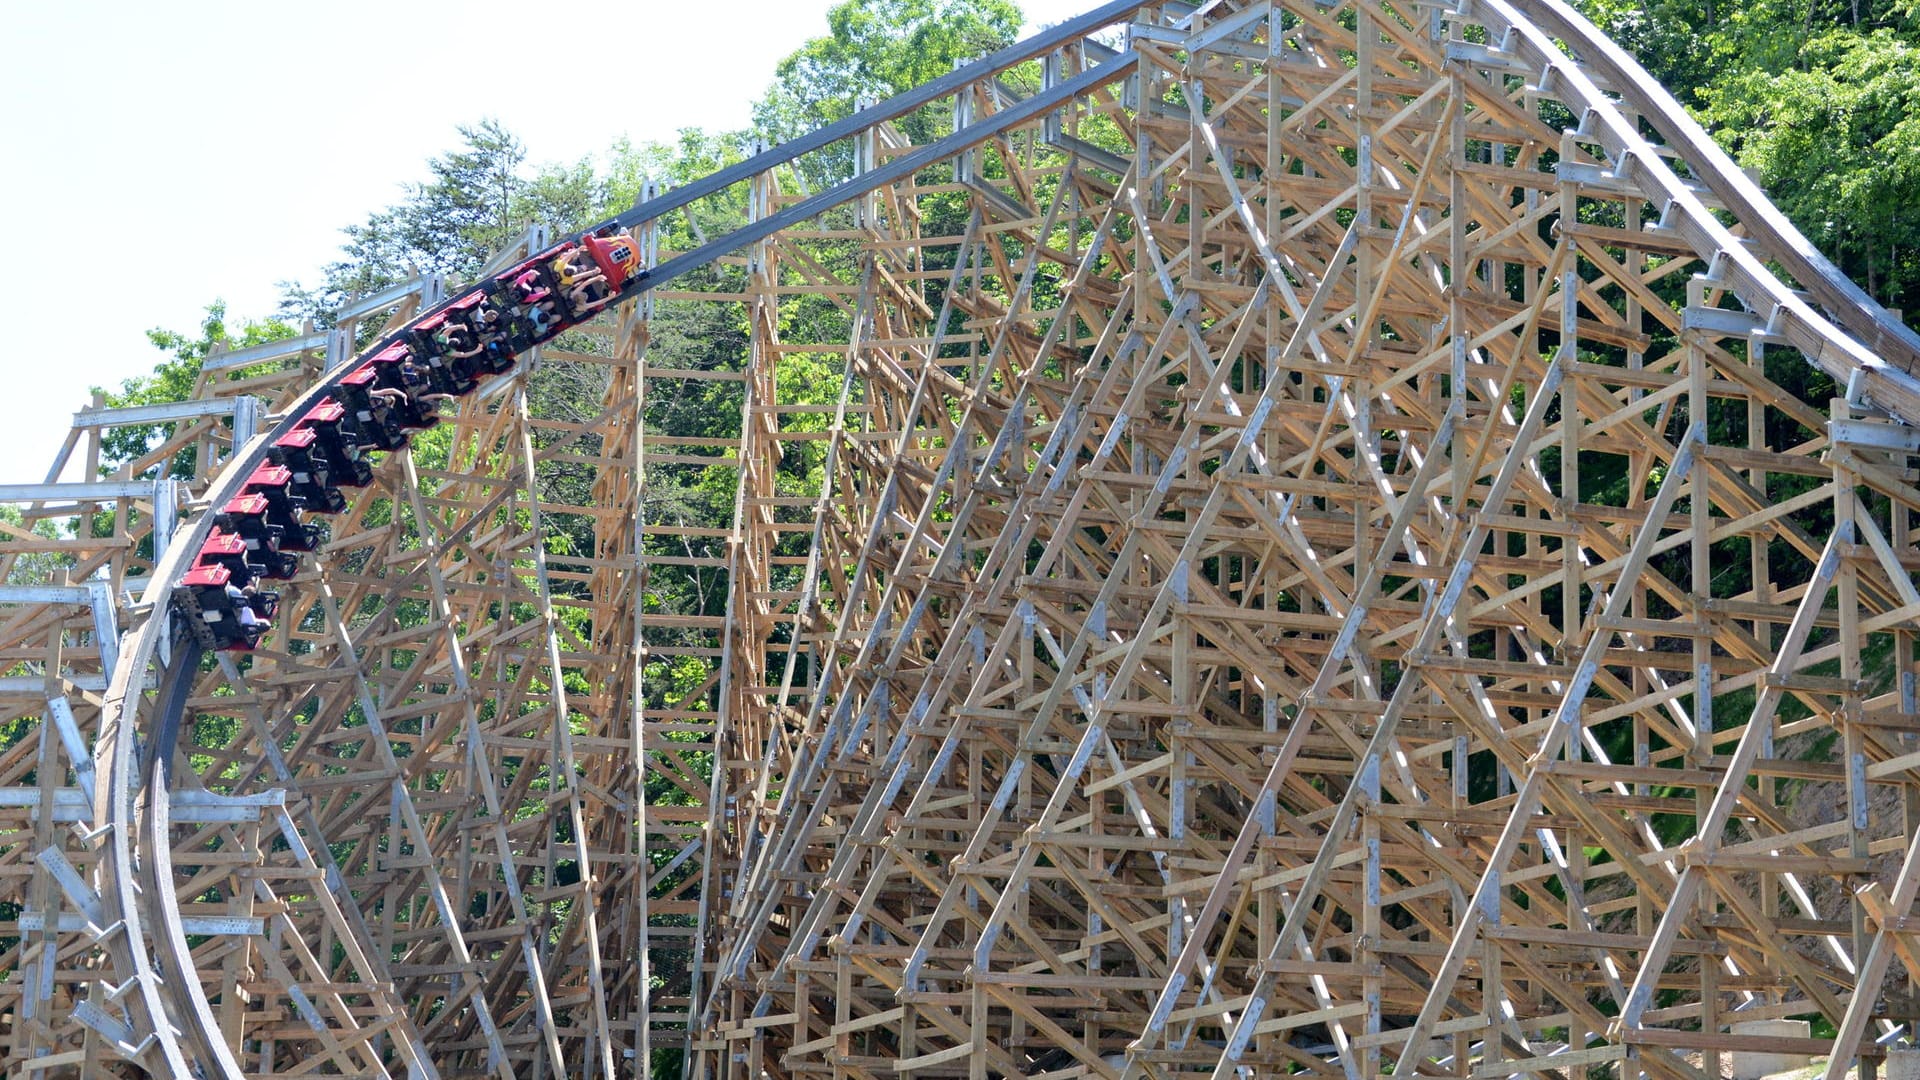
(308, 469)
(342, 455)
(246, 518)
(221, 614)
(274, 483)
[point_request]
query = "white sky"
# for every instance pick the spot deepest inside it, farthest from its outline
(170, 154)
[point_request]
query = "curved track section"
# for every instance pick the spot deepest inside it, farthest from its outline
(292, 473)
(519, 986)
(1283, 539)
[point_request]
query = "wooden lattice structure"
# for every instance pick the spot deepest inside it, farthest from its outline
(1332, 539)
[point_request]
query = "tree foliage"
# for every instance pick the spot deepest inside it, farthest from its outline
(1836, 140)
(174, 379)
(1820, 98)
(481, 196)
(875, 49)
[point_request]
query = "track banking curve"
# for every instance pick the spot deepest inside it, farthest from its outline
(139, 757)
(1850, 332)
(174, 1005)
(1835, 325)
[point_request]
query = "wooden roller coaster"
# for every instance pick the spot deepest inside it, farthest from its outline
(1335, 539)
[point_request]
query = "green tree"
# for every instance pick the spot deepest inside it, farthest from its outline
(174, 379)
(1821, 98)
(482, 196)
(1836, 142)
(873, 50)
(467, 210)
(35, 567)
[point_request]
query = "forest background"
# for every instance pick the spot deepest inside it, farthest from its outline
(1819, 99)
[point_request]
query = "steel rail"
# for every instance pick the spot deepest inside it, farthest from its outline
(172, 994)
(898, 169)
(1843, 299)
(176, 684)
(892, 108)
(1889, 384)
(118, 770)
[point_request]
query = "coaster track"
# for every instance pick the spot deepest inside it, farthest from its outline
(1305, 552)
